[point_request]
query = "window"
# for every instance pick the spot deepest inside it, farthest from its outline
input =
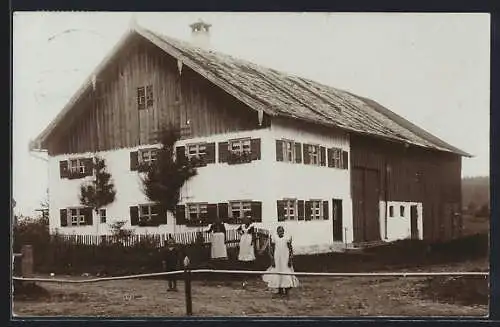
(76, 167)
(313, 151)
(316, 209)
(148, 213)
(288, 151)
(196, 150)
(336, 158)
(240, 209)
(290, 209)
(145, 97)
(102, 215)
(391, 211)
(240, 147)
(77, 216)
(402, 211)
(197, 211)
(147, 156)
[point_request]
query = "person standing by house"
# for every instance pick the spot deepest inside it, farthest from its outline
(171, 261)
(246, 253)
(218, 249)
(282, 261)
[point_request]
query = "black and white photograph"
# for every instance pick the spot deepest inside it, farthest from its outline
(244, 164)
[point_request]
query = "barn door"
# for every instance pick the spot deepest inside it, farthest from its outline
(365, 193)
(337, 220)
(414, 222)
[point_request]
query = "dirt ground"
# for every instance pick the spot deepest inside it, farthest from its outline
(316, 296)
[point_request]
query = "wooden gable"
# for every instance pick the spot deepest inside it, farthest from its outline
(141, 91)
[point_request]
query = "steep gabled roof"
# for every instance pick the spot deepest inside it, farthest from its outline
(285, 95)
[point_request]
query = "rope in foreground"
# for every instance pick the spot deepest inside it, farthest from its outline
(253, 272)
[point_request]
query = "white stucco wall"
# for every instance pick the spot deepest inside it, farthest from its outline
(399, 227)
(264, 180)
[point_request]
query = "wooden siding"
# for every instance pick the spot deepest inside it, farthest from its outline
(413, 174)
(108, 117)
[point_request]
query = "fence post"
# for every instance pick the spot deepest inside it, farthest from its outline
(27, 261)
(187, 287)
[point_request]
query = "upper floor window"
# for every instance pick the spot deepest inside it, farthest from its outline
(145, 97)
(240, 147)
(198, 150)
(238, 151)
(336, 158)
(76, 168)
(147, 156)
(313, 151)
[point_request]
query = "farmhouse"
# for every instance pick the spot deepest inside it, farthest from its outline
(334, 168)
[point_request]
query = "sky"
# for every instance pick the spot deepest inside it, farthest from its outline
(432, 69)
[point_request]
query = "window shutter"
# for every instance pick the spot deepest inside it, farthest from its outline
(307, 208)
(223, 151)
(210, 153)
(134, 215)
(63, 168)
(222, 210)
(256, 211)
(298, 152)
(180, 154)
(255, 149)
(322, 156)
(329, 157)
(280, 204)
(162, 215)
(211, 213)
(279, 150)
(88, 163)
(63, 213)
(326, 214)
(300, 209)
(134, 160)
(345, 160)
(180, 214)
(88, 213)
(306, 154)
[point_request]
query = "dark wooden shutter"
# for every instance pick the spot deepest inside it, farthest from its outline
(88, 163)
(307, 208)
(329, 157)
(211, 213)
(305, 149)
(279, 150)
(180, 214)
(180, 154)
(280, 204)
(223, 151)
(63, 214)
(256, 211)
(300, 210)
(222, 209)
(161, 218)
(88, 213)
(134, 160)
(210, 153)
(326, 214)
(63, 168)
(322, 156)
(298, 152)
(134, 215)
(345, 160)
(255, 149)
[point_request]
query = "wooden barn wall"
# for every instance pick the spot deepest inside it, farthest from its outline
(108, 117)
(415, 174)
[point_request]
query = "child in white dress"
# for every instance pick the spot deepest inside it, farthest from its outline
(282, 255)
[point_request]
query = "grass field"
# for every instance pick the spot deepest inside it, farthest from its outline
(317, 296)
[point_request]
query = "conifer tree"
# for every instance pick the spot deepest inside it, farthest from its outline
(101, 191)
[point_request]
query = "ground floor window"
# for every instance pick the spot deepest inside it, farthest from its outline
(102, 215)
(197, 211)
(77, 216)
(148, 213)
(240, 209)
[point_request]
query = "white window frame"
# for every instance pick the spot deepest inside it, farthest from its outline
(149, 216)
(289, 154)
(101, 216)
(77, 219)
(76, 166)
(198, 208)
(316, 209)
(200, 150)
(290, 209)
(239, 146)
(241, 206)
(148, 156)
(337, 157)
(314, 153)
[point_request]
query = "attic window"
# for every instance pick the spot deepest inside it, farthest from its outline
(145, 98)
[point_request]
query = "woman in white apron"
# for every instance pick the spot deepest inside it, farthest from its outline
(246, 248)
(282, 255)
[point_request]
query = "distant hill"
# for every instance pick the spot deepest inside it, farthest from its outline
(475, 192)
